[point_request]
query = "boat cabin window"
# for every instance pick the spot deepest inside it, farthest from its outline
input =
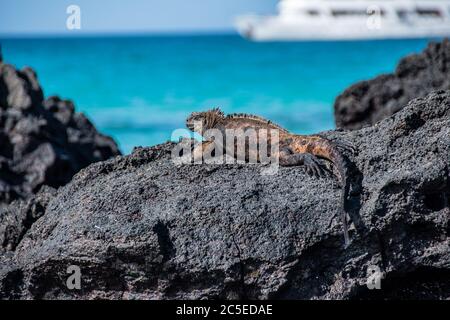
(312, 12)
(350, 12)
(402, 14)
(344, 13)
(426, 12)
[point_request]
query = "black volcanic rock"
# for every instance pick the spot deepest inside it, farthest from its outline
(368, 102)
(141, 227)
(42, 141)
(17, 218)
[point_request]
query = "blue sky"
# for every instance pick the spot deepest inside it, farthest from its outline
(116, 16)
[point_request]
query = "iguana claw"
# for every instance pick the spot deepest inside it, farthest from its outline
(345, 145)
(313, 165)
(311, 162)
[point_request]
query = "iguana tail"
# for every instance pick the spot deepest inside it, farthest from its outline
(326, 149)
(341, 164)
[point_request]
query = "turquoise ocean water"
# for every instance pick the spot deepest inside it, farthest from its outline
(139, 89)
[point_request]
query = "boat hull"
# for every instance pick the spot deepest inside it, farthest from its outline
(273, 29)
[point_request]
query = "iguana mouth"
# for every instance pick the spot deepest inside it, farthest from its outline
(190, 126)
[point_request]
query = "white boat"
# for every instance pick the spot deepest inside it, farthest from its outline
(305, 20)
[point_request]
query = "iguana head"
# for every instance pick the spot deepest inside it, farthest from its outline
(201, 121)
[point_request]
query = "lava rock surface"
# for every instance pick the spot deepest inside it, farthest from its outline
(142, 227)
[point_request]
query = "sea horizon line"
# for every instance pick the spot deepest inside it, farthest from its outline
(118, 34)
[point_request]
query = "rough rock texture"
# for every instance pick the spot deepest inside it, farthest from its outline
(141, 227)
(368, 102)
(42, 142)
(19, 216)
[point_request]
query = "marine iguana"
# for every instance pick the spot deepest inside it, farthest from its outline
(293, 149)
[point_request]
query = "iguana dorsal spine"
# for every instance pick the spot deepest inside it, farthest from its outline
(255, 118)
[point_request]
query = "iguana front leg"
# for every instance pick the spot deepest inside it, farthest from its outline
(310, 161)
